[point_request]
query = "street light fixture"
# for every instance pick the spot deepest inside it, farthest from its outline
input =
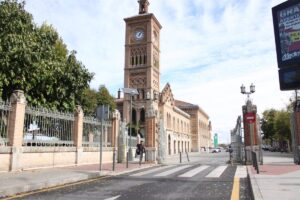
(131, 92)
(252, 89)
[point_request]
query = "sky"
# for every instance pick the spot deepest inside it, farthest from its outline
(209, 48)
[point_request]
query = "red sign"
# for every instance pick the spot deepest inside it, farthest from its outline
(250, 118)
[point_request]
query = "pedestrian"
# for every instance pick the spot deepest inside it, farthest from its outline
(140, 150)
(230, 154)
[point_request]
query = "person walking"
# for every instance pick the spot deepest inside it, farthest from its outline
(140, 150)
(230, 155)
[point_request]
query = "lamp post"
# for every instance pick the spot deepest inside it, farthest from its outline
(251, 128)
(252, 90)
(131, 92)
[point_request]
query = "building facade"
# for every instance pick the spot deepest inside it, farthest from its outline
(168, 125)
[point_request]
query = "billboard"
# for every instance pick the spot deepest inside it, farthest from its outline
(286, 19)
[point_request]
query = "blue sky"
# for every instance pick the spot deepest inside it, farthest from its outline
(209, 48)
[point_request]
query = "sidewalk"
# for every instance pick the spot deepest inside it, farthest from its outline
(279, 178)
(12, 183)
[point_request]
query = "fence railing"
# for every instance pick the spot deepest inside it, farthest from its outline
(92, 132)
(5, 109)
(48, 128)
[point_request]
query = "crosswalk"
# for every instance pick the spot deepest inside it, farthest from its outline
(190, 171)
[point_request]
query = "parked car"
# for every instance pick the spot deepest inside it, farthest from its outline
(215, 150)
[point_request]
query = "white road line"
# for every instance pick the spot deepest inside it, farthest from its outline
(152, 170)
(113, 198)
(172, 171)
(195, 171)
(216, 173)
(241, 172)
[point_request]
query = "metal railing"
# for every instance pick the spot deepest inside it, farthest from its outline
(5, 110)
(48, 128)
(92, 132)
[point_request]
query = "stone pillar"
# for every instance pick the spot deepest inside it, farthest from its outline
(251, 132)
(150, 135)
(122, 141)
(78, 132)
(15, 127)
(115, 128)
(295, 129)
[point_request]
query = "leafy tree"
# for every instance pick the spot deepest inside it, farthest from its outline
(35, 59)
(89, 101)
(104, 98)
(282, 126)
(268, 123)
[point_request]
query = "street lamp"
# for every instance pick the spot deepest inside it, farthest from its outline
(252, 90)
(131, 92)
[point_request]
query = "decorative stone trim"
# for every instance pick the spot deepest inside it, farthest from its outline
(18, 97)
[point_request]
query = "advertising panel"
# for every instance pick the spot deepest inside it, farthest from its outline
(286, 19)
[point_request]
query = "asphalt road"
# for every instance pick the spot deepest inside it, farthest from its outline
(207, 177)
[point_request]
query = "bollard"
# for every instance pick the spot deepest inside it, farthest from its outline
(180, 157)
(187, 155)
(114, 161)
(127, 159)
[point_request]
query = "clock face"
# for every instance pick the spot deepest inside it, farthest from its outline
(139, 34)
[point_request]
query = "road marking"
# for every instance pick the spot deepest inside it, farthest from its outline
(241, 172)
(172, 171)
(216, 173)
(235, 194)
(152, 170)
(195, 171)
(113, 198)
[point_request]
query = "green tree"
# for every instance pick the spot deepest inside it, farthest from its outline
(35, 59)
(104, 98)
(268, 124)
(282, 126)
(89, 101)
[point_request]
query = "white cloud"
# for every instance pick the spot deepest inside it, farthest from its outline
(209, 48)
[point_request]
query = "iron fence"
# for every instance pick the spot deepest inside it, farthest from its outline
(5, 110)
(92, 132)
(48, 128)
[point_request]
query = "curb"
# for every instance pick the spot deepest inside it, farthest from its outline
(255, 191)
(10, 191)
(56, 182)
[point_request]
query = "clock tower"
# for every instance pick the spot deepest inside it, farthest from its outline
(141, 70)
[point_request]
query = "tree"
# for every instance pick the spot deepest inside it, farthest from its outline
(268, 123)
(35, 59)
(282, 126)
(89, 101)
(104, 98)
